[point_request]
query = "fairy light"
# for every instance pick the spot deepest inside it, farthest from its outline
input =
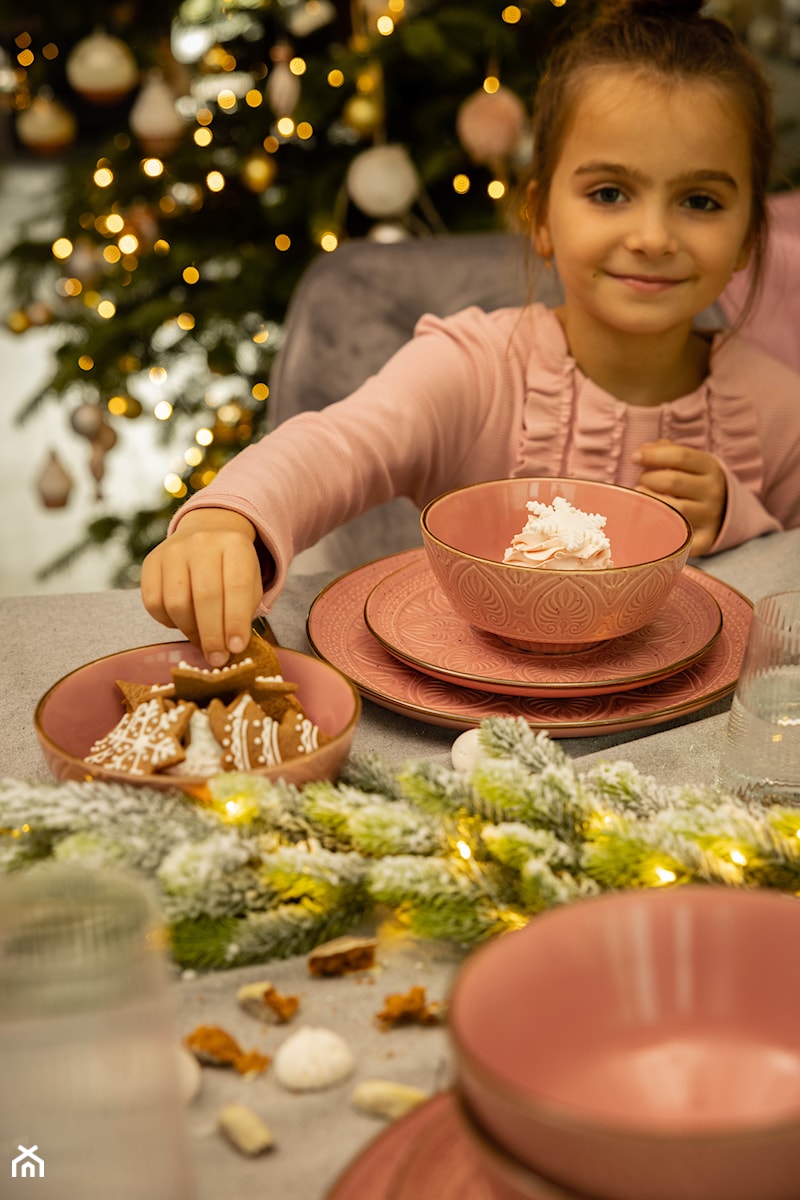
(203, 137)
(261, 336)
(511, 14)
(25, 58)
(396, 6)
(174, 484)
(558, 3)
(204, 436)
(111, 224)
(738, 858)
(103, 177)
(185, 321)
(106, 309)
(130, 262)
(62, 248)
(190, 275)
(215, 181)
(270, 144)
(664, 875)
(335, 78)
(384, 26)
(91, 299)
(158, 376)
(229, 414)
(461, 184)
(491, 84)
(193, 456)
(207, 477)
(305, 130)
(167, 205)
(254, 99)
(285, 127)
(86, 362)
(260, 392)
(496, 189)
(152, 167)
(282, 242)
(162, 411)
(297, 66)
(117, 406)
(161, 246)
(226, 99)
(204, 116)
(128, 243)
(72, 287)
(50, 51)
(329, 241)
(22, 40)
(463, 849)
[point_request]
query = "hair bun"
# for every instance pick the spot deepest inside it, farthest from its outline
(675, 9)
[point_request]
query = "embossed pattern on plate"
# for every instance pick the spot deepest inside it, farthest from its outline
(338, 633)
(411, 616)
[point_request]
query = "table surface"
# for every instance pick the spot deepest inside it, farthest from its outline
(317, 1134)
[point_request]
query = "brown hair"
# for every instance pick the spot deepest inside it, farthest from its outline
(667, 38)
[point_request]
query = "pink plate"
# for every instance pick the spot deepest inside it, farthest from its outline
(338, 633)
(427, 1156)
(410, 615)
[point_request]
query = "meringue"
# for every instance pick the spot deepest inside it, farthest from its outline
(562, 537)
(313, 1058)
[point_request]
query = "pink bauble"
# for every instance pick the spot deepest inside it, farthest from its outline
(490, 124)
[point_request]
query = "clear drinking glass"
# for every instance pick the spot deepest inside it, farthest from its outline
(761, 755)
(90, 1102)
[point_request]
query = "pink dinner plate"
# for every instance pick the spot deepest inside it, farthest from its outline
(338, 633)
(427, 1155)
(410, 615)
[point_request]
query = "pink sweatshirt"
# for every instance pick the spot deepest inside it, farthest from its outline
(488, 395)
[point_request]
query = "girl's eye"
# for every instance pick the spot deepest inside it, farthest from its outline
(608, 194)
(702, 203)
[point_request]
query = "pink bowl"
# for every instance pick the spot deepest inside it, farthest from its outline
(543, 610)
(86, 704)
(643, 1045)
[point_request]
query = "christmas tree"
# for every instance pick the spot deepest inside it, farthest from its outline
(211, 149)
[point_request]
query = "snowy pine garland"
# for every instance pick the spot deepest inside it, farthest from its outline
(268, 870)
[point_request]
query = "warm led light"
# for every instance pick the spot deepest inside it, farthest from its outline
(22, 40)
(190, 275)
(161, 246)
(254, 99)
(74, 287)
(207, 477)
(204, 116)
(86, 362)
(173, 484)
(285, 126)
(203, 137)
(665, 876)
(193, 456)
(511, 15)
(62, 247)
(305, 130)
(103, 177)
(329, 241)
(112, 254)
(463, 849)
(167, 204)
(185, 320)
(152, 167)
(270, 144)
(738, 858)
(229, 414)
(162, 410)
(117, 406)
(91, 299)
(259, 391)
(226, 99)
(215, 181)
(261, 336)
(396, 6)
(491, 84)
(496, 189)
(204, 437)
(558, 3)
(106, 309)
(335, 77)
(130, 262)
(25, 58)
(282, 242)
(157, 375)
(461, 184)
(114, 223)
(385, 26)
(297, 66)
(128, 243)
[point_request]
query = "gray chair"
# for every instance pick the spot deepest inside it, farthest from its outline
(353, 309)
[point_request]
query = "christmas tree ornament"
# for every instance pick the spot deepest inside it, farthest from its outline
(308, 16)
(105, 440)
(39, 313)
(388, 232)
(87, 421)
(363, 114)
(490, 125)
(102, 69)
(154, 119)
(282, 87)
(46, 127)
(54, 482)
(84, 262)
(383, 181)
(258, 172)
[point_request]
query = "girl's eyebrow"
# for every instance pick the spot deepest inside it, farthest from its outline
(701, 176)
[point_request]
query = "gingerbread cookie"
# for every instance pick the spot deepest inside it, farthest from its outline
(202, 684)
(145, 740)
(134, 694)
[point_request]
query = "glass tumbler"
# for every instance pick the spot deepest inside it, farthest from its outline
(760, 759)
(90, 1101)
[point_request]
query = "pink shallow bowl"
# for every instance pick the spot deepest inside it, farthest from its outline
(466, 531)
(643, 1045)
(86, 704)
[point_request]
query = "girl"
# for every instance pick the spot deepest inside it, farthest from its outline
(652, 156)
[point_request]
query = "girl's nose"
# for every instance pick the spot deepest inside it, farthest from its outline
(651, 232)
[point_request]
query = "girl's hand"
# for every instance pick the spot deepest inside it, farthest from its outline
(206, 581)
(691, 480)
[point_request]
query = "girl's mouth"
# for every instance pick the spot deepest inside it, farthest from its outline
(647, 283)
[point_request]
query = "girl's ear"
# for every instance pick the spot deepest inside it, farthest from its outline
(537, 223)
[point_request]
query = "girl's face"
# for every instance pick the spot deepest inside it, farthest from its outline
(649, 208)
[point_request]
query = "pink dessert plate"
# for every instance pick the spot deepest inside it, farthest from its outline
(427, 1155)
(338, 633)
(410, 615)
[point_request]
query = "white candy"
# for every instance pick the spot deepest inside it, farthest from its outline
(313, 1058)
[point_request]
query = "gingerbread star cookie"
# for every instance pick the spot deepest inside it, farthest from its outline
(134, 694)
(202, 684)
(145, 740)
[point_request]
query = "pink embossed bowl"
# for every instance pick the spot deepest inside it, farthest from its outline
(86, 704)
(641, 1045)
(543, 610)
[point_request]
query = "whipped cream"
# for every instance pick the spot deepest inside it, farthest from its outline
(561, 537)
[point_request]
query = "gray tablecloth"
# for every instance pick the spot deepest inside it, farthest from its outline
(43, 637)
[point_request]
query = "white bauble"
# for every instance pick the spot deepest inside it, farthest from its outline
(388, 232)
(306, 18)
(102, 69)
(490, 124)
(154, 118)
(282, 89)
(383, 181)
(46, 126)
